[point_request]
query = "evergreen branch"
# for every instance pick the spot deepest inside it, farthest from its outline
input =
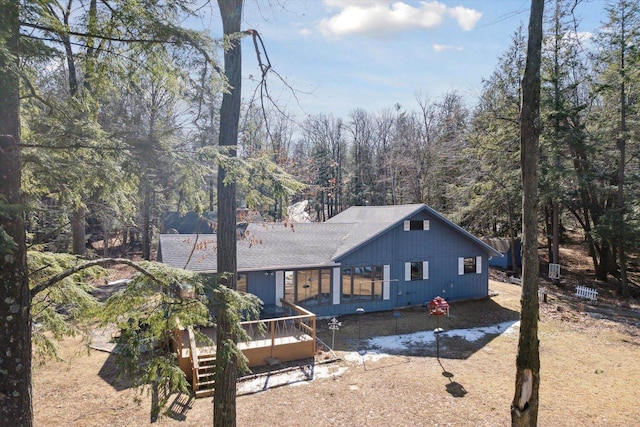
(102, 262)
(100, 36)
(78, 146)
(176, 40)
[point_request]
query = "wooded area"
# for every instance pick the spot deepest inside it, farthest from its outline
(109, 118)
(119, 130)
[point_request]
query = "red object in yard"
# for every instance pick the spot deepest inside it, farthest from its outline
(439, 307)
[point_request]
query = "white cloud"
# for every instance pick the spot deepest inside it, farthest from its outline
(467, 18)
(570, 39)
(584, 37)
(381, 17)
(443, 47)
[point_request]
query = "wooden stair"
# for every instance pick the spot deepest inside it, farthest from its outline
(204, 375)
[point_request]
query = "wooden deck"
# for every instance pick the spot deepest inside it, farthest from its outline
(271, 341)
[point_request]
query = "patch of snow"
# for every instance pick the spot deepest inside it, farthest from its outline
(402, 343)
(392, 344)
(296, 377)
(363, 356)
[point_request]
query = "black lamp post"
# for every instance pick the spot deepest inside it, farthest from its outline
(360, 312)
(397, 315)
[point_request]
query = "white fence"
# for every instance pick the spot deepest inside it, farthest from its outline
(586, 292)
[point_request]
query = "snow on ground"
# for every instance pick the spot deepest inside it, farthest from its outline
(405, 342)
(394, 344)
(299, 376)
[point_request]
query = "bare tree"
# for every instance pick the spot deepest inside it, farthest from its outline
(524, 408)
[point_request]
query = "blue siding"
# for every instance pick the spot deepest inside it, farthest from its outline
(506, 261)
(262, 285)
(503, 262)
(441, 246)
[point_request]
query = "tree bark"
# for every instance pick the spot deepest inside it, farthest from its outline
(555, 205)
(524, 408)
(224, 398)
(146, 221)
(16, 408)
(621, 144)
(78, 231)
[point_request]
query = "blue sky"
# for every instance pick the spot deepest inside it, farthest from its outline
(371, 54)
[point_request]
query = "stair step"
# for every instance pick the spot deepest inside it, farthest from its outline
(204, 375)
(204, 392)
(206, 359)
(204, 384)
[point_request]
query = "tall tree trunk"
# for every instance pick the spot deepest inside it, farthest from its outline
(16, 407)
(621, 144)
(524, 408)
(78, 231)
(555, 205)
(224, 398)
(512, 232)
(146, 222)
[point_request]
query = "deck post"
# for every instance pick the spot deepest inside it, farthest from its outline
(273, 337)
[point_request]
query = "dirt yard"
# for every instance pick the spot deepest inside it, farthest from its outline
(589, 375)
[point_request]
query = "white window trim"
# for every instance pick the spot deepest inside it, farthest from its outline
(386, 286)
(425, 225)
(461, 266)
(279, 287)
(407, 271)
(478, 265)
(337, 285)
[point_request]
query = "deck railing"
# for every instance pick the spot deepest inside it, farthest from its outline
(283, 338)
(271, 330)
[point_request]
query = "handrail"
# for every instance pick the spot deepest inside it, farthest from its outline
(249, 322)
(304, 322)
(193, 354)
(297, 308)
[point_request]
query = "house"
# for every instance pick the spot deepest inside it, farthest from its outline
(503, 245)
(205, 223)
(375, 258)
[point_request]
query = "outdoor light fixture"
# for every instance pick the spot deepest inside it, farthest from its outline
(306, 286)
(438, 307)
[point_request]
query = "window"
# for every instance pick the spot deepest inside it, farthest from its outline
(469, 265)
(308, 287)
(416, 225)
(362, 283)
(416, 270)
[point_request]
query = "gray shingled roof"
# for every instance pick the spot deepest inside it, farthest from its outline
(370, 221)
(264, 247)
(501, 244)
(276, 246)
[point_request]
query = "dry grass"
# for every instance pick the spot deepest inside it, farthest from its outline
(588, 377)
